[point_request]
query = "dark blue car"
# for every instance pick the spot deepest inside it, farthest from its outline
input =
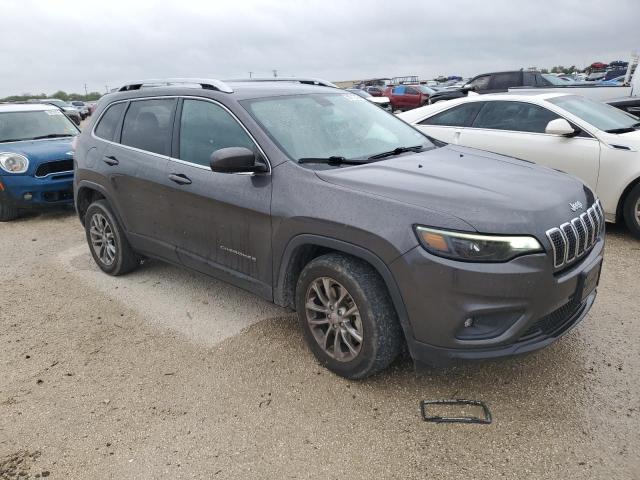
(36, 158)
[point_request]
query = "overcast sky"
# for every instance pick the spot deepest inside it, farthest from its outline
(48, 45)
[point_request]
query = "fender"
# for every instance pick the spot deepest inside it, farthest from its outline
(279, 295)
(99, 188)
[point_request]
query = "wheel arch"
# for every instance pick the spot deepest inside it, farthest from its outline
(305, 247)
(623, 198)
(87, 193)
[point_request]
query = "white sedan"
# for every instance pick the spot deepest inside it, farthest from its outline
(593, 141)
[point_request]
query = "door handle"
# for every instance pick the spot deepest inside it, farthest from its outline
(110, 160)
(180, 179)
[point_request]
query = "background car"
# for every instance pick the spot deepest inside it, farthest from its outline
(628, 104)
(382, 102)
(494, 83)
(36, 158)
(591, 140)
(69, 110)
(375, 91)
(406, 97)
(82, 108)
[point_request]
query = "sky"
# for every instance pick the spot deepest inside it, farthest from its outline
(50, 45)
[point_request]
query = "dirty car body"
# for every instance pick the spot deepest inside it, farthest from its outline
(424, 221)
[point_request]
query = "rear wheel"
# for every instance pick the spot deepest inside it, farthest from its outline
(108, 244)
(7, 212)
(631, 211)
(347, 316)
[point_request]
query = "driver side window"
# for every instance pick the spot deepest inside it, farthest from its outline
(206, 127)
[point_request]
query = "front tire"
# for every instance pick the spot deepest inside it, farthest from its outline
(7, 212)
(107, 242)
(347, 316)
(631, 211)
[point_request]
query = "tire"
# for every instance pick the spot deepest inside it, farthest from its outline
(631, 211)
(7, 212)
(102, 227)
(375, 320)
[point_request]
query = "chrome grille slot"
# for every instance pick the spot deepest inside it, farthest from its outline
(575, 238)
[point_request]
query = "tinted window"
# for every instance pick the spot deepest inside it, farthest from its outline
(147, 125)
(459, 116)
(205, 128)
(411, 91)
(109, 122)
(480, 83)
(515, 116)
(503, 81)
(529, 79)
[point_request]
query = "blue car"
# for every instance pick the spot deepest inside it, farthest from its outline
(36, 158)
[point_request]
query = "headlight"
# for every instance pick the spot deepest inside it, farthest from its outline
(471, 247)
(14, 162)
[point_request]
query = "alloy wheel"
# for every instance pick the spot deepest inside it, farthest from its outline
(334, 319)
(102, 239)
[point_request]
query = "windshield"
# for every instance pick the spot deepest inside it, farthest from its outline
(360, 93)
(600, 115)
(17, 126)
(327, 125)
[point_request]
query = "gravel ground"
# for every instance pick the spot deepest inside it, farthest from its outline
(166, 373)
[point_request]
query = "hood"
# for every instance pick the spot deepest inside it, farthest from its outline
(492, 193)
(40, 151)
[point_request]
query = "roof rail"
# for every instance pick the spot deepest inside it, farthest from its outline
(205, 83)
(306, 81)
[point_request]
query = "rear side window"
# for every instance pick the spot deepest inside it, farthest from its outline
(411, 91)
(107, 125)
(399, 90)
(460, 116)
(206, 127)
(147, 125)
(514, 116)
(503, 81)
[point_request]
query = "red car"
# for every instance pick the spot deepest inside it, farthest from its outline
(406, 97)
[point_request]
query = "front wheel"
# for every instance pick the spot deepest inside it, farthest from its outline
(108, 244)
(7, 212)
(347, 316)
(631, 211)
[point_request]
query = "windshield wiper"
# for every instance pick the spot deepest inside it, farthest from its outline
(396, 151)
(14, 140)
(334, 160)
(52, 135)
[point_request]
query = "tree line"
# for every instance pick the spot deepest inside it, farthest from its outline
(60, 94)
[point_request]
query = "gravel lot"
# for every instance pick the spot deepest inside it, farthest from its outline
(166, 373)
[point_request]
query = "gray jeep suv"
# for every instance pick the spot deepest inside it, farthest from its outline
(314, 198)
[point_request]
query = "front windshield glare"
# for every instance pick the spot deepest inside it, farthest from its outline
(16, 126)
(600, 115)
(332, 125)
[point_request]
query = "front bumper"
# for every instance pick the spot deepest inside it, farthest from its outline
(471, 311)
(26, 192)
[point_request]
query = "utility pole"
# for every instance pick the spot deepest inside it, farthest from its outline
(250, 73)
(275, 74)
(106, 89)
(86, 92)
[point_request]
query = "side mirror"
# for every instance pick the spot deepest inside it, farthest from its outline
(236, 160)
(560, 126)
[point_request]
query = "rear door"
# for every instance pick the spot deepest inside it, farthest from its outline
(501, 82)
(411, 97)
(136, 162)
(221, 222)
(517, 129)
(447, 126)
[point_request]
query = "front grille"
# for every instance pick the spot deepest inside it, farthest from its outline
(554, 322)
(57, 166)
(576, 237)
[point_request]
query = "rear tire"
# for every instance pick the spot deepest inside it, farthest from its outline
(352, 327)
(107, 242)
(7, 212)
(631, 211)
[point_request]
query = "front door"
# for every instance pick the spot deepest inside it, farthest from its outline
(222, 222)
